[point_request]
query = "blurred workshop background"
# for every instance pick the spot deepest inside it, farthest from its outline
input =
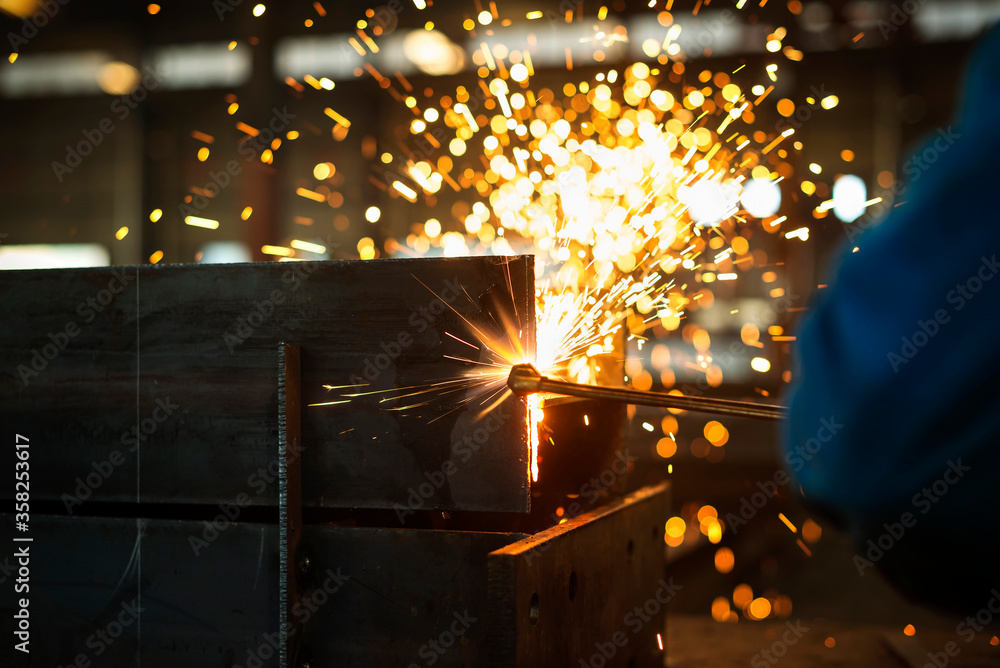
(230, 131)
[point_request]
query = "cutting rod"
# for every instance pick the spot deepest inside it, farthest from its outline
(526, 379)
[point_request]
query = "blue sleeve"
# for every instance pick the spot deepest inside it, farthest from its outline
(899, 360)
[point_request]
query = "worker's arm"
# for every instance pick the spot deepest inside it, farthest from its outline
(898, 385)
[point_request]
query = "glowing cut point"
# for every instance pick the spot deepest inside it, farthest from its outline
(535, 415)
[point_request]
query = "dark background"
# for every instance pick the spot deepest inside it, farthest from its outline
(894, 89)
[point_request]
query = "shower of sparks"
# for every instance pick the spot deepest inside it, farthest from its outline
(627, 182)
(626, 185)
(482, 389)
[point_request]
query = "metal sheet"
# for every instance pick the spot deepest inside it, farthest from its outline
(117, 591)
(108, 591)
(580, 439)
(370, 597)
(415, 598)
(590, 591)
(156, 383)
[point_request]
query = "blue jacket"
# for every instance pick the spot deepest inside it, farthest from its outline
(895, 406)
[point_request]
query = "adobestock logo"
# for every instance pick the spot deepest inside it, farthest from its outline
(779, 648)
(421, 319)
(462, 450)
(923, 501)
(958, 297)
(768, 489)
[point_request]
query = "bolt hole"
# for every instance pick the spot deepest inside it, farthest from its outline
(572, 586)
(631, 549)
(533, 610)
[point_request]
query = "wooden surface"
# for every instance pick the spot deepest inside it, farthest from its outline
(171, 351)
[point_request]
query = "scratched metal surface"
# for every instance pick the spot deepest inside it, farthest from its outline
(371, 597)
(188, 355)
(569, 595)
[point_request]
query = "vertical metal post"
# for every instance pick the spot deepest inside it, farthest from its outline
(289, 497)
